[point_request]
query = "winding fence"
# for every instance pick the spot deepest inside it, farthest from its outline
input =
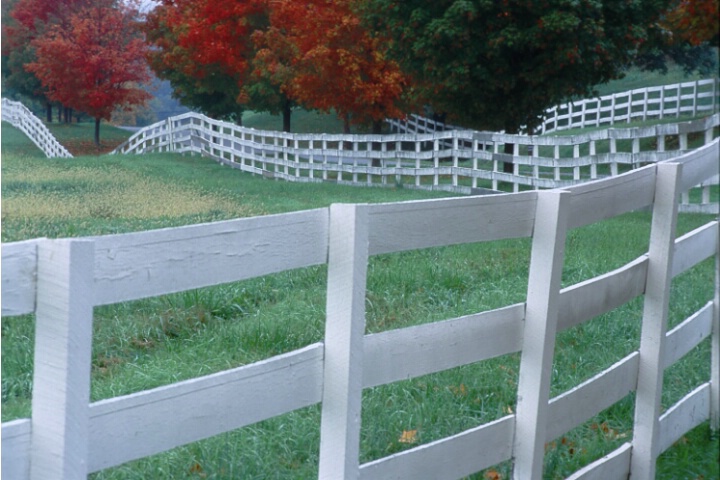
(696, 98)
(62, 280)
(429, 156)
(460, 161)
(19, 116)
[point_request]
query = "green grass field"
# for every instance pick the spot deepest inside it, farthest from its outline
(148, 343)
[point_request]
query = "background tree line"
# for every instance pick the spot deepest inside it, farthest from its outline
(485, 64)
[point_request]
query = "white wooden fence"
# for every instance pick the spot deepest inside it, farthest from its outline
(460, 161)
(61, 280)
(22, 118)
(696, 98)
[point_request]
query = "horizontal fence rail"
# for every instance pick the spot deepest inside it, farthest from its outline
(19, 116)
(696, 98)
(700, 97)
(460, 161)
(61, 280)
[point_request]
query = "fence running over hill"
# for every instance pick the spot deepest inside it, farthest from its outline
(650, 103)
(19, 116)
(61, 280)
(461, 161)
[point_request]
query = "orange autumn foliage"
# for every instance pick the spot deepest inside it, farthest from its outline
(695, 21)
(337, 65)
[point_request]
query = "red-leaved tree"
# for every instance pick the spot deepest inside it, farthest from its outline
(696, 21)
(338, 65)
(204, 48)
(94, 62)
(23, 22)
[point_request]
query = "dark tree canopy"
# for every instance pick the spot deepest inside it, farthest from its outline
(500, 64)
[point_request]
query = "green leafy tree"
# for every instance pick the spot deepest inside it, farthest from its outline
(204, 48)
(500, 64)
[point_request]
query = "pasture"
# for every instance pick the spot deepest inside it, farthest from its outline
(147, 343)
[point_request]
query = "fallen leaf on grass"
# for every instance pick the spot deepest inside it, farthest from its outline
(492, 475)
(408, 436)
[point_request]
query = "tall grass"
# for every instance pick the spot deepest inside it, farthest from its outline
(158, 341)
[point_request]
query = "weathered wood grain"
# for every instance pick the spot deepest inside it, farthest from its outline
(688, 413)
(595, 296)
(61, 367)
(414, 351)
(684, 337)
(138, 265)
(144, 423)
(430, 223)
(344, 335)
(19, 277)
(538, 343)
(594, 395)
(16, 449)
(449, 458)
(654, 323)
(699, 164)
(613, 466)
(595, 201)
(694, 247)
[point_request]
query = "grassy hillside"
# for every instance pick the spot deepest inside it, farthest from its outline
(149, 343)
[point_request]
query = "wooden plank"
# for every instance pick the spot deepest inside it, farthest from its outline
(688, 413)
(715, 352)
(449, 458)
(595, 296)
(418, 224)
(410, 352)
(654, 324)
(601, 199)
(184, 412)
(61, 367)
(344, 338)
(16, 449)
(699, 164)
(684, 337)
(538, 345)
(19, 277)
(613, 466)
(694, 247)
(594, 395)
(138, 265)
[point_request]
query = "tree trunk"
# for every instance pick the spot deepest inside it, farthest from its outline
(511, 128)
(508, 166)
(376, 130)
(48, 111)
(97, 132)
(346, 123)
(60, 110)
(286, 113)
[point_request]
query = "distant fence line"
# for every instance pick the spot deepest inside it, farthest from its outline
(62, 280)
(460, 161)
(19, 116)
(699, 97)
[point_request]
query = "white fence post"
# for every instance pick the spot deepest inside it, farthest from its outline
(715, 348)
(63, 346)
(344, 336)
(654, 323)
(538, 344)
(23, 119)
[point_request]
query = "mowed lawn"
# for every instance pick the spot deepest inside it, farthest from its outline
(153, 342)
